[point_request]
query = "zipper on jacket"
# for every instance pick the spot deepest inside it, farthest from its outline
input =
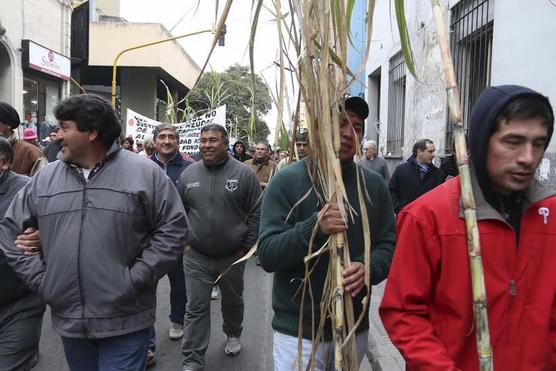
(211, 201)
(83, 205)
(513, 288)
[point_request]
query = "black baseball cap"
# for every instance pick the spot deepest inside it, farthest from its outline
(358, 106)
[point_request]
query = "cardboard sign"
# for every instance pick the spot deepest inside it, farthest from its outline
(139, 127)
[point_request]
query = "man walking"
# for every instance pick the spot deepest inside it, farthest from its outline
(21, 310)
(221, 197)
(427, 308)
(288, 217)
(416, 176)
(261, 164)
(28, 159)
(371, 161)
(302, 148)
(111, 224)
(240, 151)
(169, 158)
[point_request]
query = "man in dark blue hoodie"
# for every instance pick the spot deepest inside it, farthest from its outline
(427, 308)
(169, 158)
(416, 176)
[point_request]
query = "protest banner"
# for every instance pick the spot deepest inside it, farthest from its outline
(139, 127)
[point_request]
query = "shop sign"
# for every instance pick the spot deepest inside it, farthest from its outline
(41, 59)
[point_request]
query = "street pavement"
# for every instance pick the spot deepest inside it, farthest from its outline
(382, 354)
(256, 339)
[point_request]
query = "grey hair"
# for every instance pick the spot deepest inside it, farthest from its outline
(163, 126)
(6, 151)
(370, 143)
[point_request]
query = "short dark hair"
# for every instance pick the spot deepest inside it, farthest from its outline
(161, 127)
(525, 107)
(91, 112)
(129, 140)
(6, 150)
(421, 144)
(219, 128)
(9, 116)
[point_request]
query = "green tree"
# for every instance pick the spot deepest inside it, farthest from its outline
(233, 88)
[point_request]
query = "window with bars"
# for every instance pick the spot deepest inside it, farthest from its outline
(471, 44)
(396, 105)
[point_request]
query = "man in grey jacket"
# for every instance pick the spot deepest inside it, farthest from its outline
(111, 224)
(221, 196)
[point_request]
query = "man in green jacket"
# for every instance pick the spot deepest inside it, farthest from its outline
(285, 232)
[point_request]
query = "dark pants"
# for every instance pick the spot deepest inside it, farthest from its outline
(20, 332)
(177, 299)
(123, 353)
(201, 271)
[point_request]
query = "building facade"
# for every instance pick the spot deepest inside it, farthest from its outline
(35, 66)
(145, 76)
(493, 42)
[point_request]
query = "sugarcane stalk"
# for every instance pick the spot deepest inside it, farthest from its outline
(478, 288)
(339, 304)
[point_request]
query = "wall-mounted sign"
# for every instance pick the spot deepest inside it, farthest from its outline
(47, 61)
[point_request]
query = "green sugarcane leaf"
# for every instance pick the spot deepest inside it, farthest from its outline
(349, 13)
(404, 37)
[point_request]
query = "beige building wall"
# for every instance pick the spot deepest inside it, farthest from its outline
(107, 39)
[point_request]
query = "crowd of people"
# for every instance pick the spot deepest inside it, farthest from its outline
(91, 241)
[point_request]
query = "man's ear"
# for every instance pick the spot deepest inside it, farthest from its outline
(93, 134)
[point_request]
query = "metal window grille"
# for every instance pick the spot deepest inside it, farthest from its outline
(396, 105)
(471, 44)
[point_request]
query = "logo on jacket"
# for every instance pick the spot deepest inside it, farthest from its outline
(231, 184)
(544, 212)
(191, 185)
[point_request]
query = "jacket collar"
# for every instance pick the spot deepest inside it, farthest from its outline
(533, 194)
(177, 159)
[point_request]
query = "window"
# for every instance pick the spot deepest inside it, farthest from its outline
(471, 44)
(396, 105)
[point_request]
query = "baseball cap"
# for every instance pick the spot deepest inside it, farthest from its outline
(358, 106)
(29, 134)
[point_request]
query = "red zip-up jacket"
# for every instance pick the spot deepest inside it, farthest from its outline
(427, 305)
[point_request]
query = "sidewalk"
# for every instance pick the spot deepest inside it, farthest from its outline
(381, 353)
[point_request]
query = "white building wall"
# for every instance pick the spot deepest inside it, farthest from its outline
(46, 22)
(524, 53)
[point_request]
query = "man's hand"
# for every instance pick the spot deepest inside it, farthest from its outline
(29, 242)
(354, 278)
(330, 219)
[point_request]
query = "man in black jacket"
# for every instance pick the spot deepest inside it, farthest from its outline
(416, 176)
(221, 196)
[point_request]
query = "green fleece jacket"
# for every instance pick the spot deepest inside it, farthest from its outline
(284, 242)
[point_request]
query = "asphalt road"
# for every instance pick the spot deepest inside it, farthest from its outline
(256, 338)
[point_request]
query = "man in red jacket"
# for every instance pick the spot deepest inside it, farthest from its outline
(427, 308)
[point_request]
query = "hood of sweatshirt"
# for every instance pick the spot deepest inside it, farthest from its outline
(482, 122)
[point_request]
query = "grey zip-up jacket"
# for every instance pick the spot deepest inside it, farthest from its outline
(223, 206)
(106, 242)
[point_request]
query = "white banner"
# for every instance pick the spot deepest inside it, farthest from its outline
(139, 126)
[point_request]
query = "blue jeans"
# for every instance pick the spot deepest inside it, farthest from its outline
(177, 300)
(124, 353)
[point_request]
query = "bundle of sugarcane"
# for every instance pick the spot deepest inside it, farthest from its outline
(315, 49)
(473, 242)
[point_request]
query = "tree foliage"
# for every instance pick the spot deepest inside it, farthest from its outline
(233, 88)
